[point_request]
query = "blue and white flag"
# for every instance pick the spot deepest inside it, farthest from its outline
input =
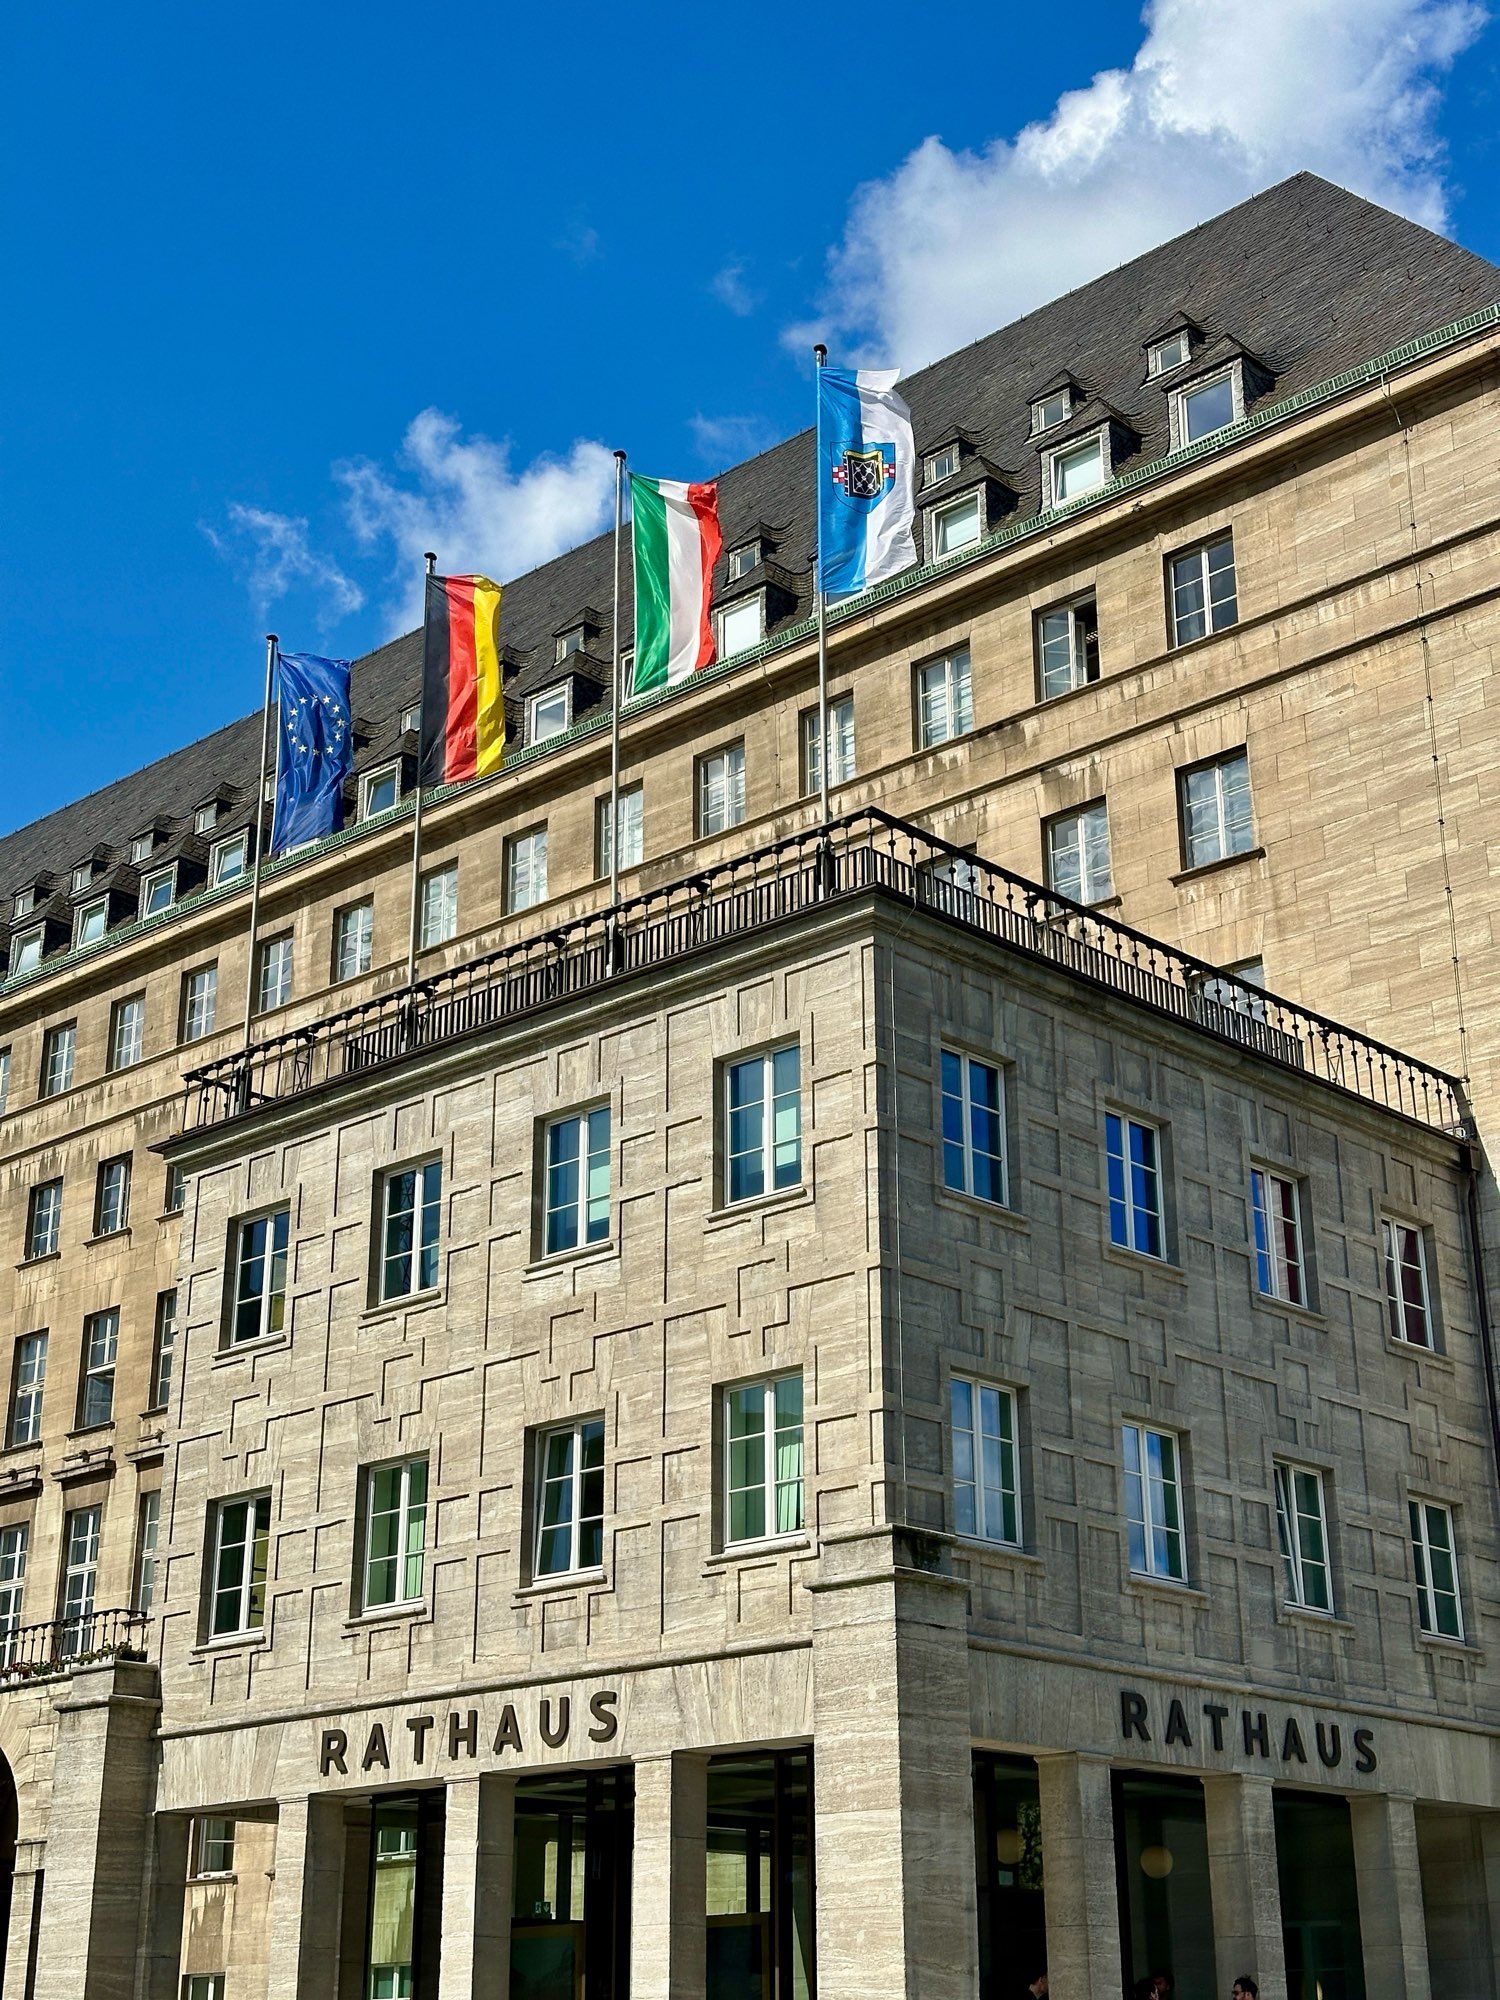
(866, 480)
(314, 748)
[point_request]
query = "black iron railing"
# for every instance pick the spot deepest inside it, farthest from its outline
(863, 852)
(39, 1652)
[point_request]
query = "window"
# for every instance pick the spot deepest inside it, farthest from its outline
(577, 1181)
(940, 465)
(945, 706)
(840, 737)
(79, 1578)
(1153, 1503)
(206, 818)
(158, 891)
(147, 1529)
(83, 874)
(91, 921)
(379, 790)
(13, 1546)
(213, 1847)
(163, 1347)
(548, 714)
(1077, 856)
(570, 1498)
(1067, 648)
(112, 1196)
(957, 525)
(1135, 1211)
(353, 940)
(26, 951)
(1049, 411)
(763, 1123)
(127, 1031)
(1170, 353)
(742, 625)
(242, 1543)
(260, 1277)
(228, 860)
(949, 881)
(395, 1533)
(1217, 819)
(439, 906)
(411, 718)
(1439, 1610)
(28, 1379)
(986, 1492)
(203, 1986)
(1203, 595)
(763, 1459)
(1205, 408)
(4, 1078)
(411, 1228)
(632, 848)
(274, 987)
(1078, 469)
(58, 1048)
(973, 1127)
(24, 904)
(175, 1198)
(1408, 1300)
(200, 998)
(1302, 1533)
(568, 643)
(44, 1219)
(96, 1384)
(721, 790)
(143, 846)
(526, 870)
(741, 561)
(1276, 1203)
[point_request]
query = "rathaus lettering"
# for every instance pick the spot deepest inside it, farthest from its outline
(1255, 1732)
(460, 1735)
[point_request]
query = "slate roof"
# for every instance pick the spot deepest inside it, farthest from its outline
(1307, 278)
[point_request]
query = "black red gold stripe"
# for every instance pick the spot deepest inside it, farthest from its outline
(463, 704)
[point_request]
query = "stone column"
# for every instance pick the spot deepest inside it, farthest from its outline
(1243, 1883)
(479, 1848)
(1391, 1921)
(669, 1879)
(162, 1908)
(25, 1917)
(308, 1899)
(897, 1905)
(1078, 1850)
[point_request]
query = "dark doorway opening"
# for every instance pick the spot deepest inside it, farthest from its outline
(760, 1878)
(1166, 1908)
(1009, 1874)
(1319, 1898)
(570, 1913)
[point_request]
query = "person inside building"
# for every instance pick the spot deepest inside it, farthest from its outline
(1245, 1988)
(1038, 1987)
(1161, 1985)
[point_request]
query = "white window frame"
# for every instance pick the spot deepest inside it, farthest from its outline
(1076, 670)
(163, 1348)
(53, 1191)
(83, 876)
(1041, 421)
(770, 1485)
(940, 518)
(732, 616)
(28, 1388)
(535, 703)
(1219, 833)
(411, 718)
(1281, 1272)
(235, 846)
(175, 1198)
(574, 640)
(354, 925)
(1153, 1516)
(112, 1200)
(213, 1850)
(990, 1502)
(59, 1059)
(525, 870)
(96, 910)
(1297, 1564)
(1392, 1230)
(147, 1538)
(632, 822)
(1096, 441)
(276, 957)
(1191, 568)
(127, 1032)
(719, 790)
(1162, 356)
(1421, 1514)
(250, 1617)
(439, 920)
(965, 1147)
(1094, 859)
(4, 1078)
(770, 1101)
(585, 1432)
(1183, 395)
(1137, 1214)
(149, 884)
(206, 817)
(945, 698)
(411, 1517)
(24, 902)
(593, 1154)
(26, 949)
(741, 560)
(941, 464)
(274, 1258)
(427, 1200)
(79, 1582)
(367, 786)
(202, 1986)
(200, 1002)
(15, 1544)
(99, 1364)
(142, 847)
(842, 767)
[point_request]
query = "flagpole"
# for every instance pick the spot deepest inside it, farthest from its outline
(414, 933)
(260, 808)
(616, 698)
(820, 356)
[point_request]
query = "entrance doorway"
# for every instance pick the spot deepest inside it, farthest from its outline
(760, 1878)
(570, 1913)
(1319, 1898)
(1009, 1874)
(1166, 1908)
(405, 1897)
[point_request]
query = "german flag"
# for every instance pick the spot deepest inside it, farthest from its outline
(463, 706)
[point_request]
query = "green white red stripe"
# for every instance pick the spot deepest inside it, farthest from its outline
(676, 542)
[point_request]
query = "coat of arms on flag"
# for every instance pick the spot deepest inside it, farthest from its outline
(867, 474)
(867, 480)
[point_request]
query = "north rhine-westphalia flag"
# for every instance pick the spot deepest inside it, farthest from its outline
(314, 748)
(675, 539)
(463, 703)
(866, 480)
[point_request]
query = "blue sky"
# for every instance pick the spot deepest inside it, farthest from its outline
(294, 290)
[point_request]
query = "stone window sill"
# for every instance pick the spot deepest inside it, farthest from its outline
(976, 1204)
(769, 1545)
(232, 1642)
(1005, 1552)
(561, 1260)
(388, 1614)
(1168, 1587)
(1412, 1352)
(573, 1579)
(108, 1236)
(1436, 1642)
(1315, 1620)
(1309, 1316)
(46, 1257)
(246, 1350)
(381, 1309)
(728, 1213)
(1139, 1260)
(1212, 867)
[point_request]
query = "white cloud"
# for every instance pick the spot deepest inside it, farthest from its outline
(461, 497)
(730, 288)
(272, 554)
(1224, 97)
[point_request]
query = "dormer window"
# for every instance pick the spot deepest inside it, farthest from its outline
(411, 718)
(1047, 412)
(91, 921)
(26, 951)
(1164, 355)
(206, 818)
(958, 524)
(1201, 408)
(83, 875)
(940, 465)
(549, 713)
(228, 860)
(143, 846)
(742, 560)
(742, 625)
(569, 642)
(25, 902)
(159, 891)
(379, 791)
(1078, 468)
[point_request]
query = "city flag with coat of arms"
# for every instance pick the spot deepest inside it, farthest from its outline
(866, 480)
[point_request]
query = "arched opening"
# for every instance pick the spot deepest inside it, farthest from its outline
(9, 1831)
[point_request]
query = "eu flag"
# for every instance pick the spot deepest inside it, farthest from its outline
(315, 748)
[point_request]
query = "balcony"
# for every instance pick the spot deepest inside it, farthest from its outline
(862, 854)
(62, 1645)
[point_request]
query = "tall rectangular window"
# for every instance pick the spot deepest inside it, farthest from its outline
(526, 870)
(1407, 1295)
(1302, 1532)
(1217, 817)
(1078, 860)
(721, 790)
(570, 1498)
(632, 842)
(259, 1306)
(1133, 1156)
(44, 1219)
(147, 1529)
(96, 1384)
(577, 1181)
(200, 1000)
(28, 1380)
(158, 891)
(228, 860)
(1439, 1608)
(395, 1533)
(411, 1230)
(1276, 1205)
(439, 920)
(112, 1197)
(762, 1123)
(174, 1198)
(841, 741)
(127, 1031)
(14, 1544)
(763, 1459)
(986, 1490)
(1067, 648)
(80, 1577)
(973, 1127)
(241, 1546)
(1202, 590)
(274, 987)
(163, 1347)
(945, 699)
(353, 940)
(4, 1079)
(1153, 1503)
(212, 1847)
(59, 1046)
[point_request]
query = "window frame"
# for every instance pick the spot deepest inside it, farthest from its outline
(956, 666)
(277, 1222)
(1096, 440)
(346, 925)
(574, 639)
(769, 1100)
(1212, 623)
(1420, 1512)
(424, 1204)
(941, 463)
(1010, 1532)
(206, 816)
(96, 906)
(52, 1185)
(1397, 1305)
(252, 1615)
(577, 1482)
(1089, 893)
(731, 756)
(149, 881)
(277, 952)
(120, 1014)
(1182, 395)
(633, 849)
(560, 690)
(1156, 353)
(842, 770)
(5, 1070)
(1283, 1272)
(771, 1483)
(1295, 1560)
(407, 1514)
(75, 1612)
(444, 877)
(98, 1363)
(735, 565)
(581, 1209)
(530, 841)
(1079, 661)
(189, 1010)
(163, 1348)
(1222, 824)
(121, 1183)
(28, 1389)
(726, 614)
(34, 934)
(59, 1059)
(1040, 405)
(15, 1549)
(147, 1540)
(210, 1847)
(219, 852)
(1151, 1567)
(964, 1146)
(1125, 1200)
(377, 776)
(946, 510)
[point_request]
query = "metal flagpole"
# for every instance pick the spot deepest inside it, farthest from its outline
(260, 808)
(616, 697)
(820, 356)
(416, 824)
